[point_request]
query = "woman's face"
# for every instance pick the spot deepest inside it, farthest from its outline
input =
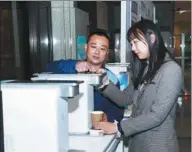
(140, 48)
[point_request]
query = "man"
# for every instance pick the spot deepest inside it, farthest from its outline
(97, 50)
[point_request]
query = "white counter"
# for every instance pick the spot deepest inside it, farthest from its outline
(89, 143)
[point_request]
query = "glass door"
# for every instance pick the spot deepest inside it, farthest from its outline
(182, 52)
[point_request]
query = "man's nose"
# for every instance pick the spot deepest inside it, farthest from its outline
(97, 50)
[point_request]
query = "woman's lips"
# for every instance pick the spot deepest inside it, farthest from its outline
(137, 54)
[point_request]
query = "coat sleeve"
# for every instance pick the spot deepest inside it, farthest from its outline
(121, 98)
(167, 93)
(62, 66)
(112, 77)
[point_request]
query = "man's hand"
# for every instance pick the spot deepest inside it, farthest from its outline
(107, 127)
(83, 66)
(100, 71)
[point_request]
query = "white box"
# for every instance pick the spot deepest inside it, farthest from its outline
(35, 117)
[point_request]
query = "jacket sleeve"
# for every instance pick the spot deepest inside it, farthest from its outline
(112, 77)
(121, 98)
(62, 66)
(167, 93)
(113, 111)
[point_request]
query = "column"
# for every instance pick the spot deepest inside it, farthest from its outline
(125, 50)
(63, 30)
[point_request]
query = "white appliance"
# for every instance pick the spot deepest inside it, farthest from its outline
(80, 106)
(35, 115)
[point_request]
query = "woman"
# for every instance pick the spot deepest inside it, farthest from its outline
(155, 86)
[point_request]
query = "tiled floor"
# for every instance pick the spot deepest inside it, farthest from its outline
(183, 120)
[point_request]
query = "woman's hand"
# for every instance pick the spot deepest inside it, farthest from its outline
(107, 127)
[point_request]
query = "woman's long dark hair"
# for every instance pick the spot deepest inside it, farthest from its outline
(157, 51)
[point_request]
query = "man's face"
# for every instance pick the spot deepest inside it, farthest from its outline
(97, 50)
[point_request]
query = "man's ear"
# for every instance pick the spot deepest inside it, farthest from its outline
(107, 56)
(108, 51)
(152, 38)
(85, 47)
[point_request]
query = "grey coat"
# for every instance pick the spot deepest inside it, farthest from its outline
(151, 126)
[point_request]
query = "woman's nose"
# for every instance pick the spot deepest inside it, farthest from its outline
(133, 47)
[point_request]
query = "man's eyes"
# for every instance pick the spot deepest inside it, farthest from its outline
(103, 49)
(92, 46)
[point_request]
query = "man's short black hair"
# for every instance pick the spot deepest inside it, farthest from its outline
(100, 33)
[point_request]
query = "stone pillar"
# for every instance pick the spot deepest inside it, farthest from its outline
(125, 50)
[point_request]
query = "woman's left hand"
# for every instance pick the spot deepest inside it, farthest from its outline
(107, 127)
